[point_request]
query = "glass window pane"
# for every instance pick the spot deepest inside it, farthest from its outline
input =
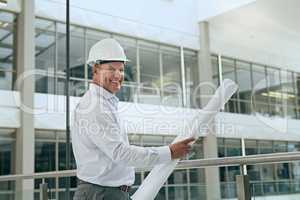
(253, 172)
(152, 140)
(245, 106)
(178, 192)
(262, 108)
(288, 87)
(61, 48)
(293, 146)
(7, 16)
(138, 178)
(60, 86)
(297, 84)
(267, 172)
(280, 146)
(215, 70)
(228, 190)
(44, 44)
(77, 50)
(149, 61)
(44, 156)
(288, 94)
(232, 172)
(268, 178)
(250, 147)
(6, 156)
(6, 80)
(221, 147)
(7, 32)
(128, 92)
(44, 83)
(222, 175)
(63, 181)
(283, 171)
(228, 69)
(265, 147)
(233, 147)
(178, 177)
(274, 85)
(191, 77)
(228, 72)
(134, 139)
(197, 175)
(150, 74)
(76, 87)
(198, 192)
(7, 50)
(259, 84)
(62, 157)
(297, 91)
(172, 87)
(295, 172)
(244, 80)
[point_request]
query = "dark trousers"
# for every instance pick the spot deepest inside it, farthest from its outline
(89, 191)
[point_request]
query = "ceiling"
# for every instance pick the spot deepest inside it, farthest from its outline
(265, 31)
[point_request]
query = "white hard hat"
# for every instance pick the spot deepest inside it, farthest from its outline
(106, 50)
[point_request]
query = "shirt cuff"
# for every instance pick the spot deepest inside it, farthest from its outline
(164, 153)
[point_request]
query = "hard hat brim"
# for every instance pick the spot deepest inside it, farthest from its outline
(107, 61)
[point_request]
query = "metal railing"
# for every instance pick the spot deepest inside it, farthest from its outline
(184, 164)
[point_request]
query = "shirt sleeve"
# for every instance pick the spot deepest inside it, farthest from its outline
(106, 135)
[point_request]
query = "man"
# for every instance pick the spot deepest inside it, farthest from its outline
(105, 160)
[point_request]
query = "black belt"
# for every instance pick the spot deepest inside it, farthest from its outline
(124, 188)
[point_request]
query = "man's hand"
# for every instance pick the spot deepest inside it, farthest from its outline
(180, 149)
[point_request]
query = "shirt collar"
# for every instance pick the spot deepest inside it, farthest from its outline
(103, 92)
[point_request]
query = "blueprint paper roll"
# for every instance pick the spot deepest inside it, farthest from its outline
(160, 173)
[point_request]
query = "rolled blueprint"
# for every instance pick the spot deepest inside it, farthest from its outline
(160, 173)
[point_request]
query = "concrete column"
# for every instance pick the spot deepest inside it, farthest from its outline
(25, 64)
(210, 141)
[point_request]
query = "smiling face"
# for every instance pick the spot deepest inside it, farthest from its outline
(109, 75)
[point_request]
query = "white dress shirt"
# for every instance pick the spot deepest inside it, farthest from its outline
(100, 145)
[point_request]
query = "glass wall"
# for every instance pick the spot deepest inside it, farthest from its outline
(50, 60)
(259, 97)
(50, 155)
(153, 75)
(191, 78)
(264, 90)
(229, 72)
(171, 77)
(265, 179)
(45, 56)
(273, 179)
(243, 79)
(289, 94)
(7, 144)
(229, 148)
(7, 50)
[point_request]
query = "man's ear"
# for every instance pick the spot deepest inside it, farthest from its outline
(94, 69)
